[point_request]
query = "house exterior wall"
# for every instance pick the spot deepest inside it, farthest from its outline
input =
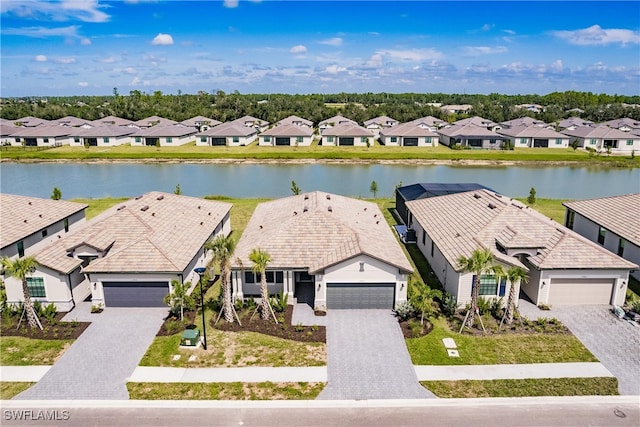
(241, 140)
(270, 140)
(423, 141)
(598, 144)
(56, 286)
(78, 141)
(40, 141)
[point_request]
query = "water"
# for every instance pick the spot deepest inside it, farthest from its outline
(268, 180)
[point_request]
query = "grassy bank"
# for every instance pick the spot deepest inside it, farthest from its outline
(21, 351)
(9, 389)
(225, 391)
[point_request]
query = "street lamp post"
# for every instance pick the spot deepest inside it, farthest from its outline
(201, 271)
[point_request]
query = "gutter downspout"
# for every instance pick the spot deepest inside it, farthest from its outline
(73, 301)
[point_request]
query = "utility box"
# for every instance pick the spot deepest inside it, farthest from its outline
(190, 338)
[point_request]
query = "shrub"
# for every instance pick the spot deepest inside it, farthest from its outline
(404, 311)
(173, 326)
(635, 305)
(251, 304)
(541, 321)
(96, 308)
(449, 304)
(299, 327)
(49, 312)
(279, 302)
(544, 307)
(496, 307)
(314, 328)
(484, 305)
(416, 328)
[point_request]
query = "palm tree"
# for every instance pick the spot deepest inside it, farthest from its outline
(260, 258)
(514, 274)
(180, 298)
(222, 248)
(20, 268)
(480, 262)
(422, 299)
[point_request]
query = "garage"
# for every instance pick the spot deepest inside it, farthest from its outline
(410, 142)
(135, 294)
(283, 140)
(347, 141)
(360, 296)
(541, 143)
(580, 291)
(218, 141)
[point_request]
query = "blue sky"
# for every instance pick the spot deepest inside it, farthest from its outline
(88, 47)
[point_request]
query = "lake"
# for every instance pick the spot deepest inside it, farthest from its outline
(269, 180)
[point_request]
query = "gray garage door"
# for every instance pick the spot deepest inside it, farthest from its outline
(135, 294)
(218, 141)
(346, 141)
(353, 295)
(410, 142)
(283, 141)
(580, 291)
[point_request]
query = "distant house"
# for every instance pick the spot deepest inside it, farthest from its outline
(624, 124)
(287, 134)
(534, 108)
(30, 121)
(232, 134)
(602, 138)
(429, 122)
(328, 251)
(347, 134)
(128, 255)
(378, 123)
(535, 136)
(612, 222)
(44, 135)
(573, 123)
(295, 120)
(154, 121)
(164, 135)
(113, 120)
(101, 136)
(563, 267)
(472, 136)
(522, 121)
(201, 123)
(334, 121)
(478, 121)
(260, 125)
(71, 121)
(456, 109)
(408, 135)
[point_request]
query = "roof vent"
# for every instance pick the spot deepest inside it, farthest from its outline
(306, 197)
(139, 197)
(330, 209)
(153, 214)
(295, 213)
(121, 207)
(476, 195)
(199, 207)
(25, 221)
(40, 215)
(144, 208)
(305, 209)
(29, 203)
(365, 209)
(201, 223)
(492, 206)
(159, 197)
(328, 196)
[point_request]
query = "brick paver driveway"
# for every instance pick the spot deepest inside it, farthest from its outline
(98, 363)
(368, 358)
(616, 343)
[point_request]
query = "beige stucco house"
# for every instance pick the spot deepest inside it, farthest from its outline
(288, 135)
(231, 134)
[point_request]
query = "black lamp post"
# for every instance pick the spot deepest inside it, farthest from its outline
(201, 271)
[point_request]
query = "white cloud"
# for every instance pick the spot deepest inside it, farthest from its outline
(334, 69)
(85, 41)
(41, 58)
(231, 3)
(135, 81)
(414, 55)
(130, 70)
(83, 84)
(69, 60)
(487, 27)
(162, 39)
(484, 50)
(375, 60)
(298, 49)
(65, 10)
(108, 60)
(334, 41)
(42, 32)
(596, 35)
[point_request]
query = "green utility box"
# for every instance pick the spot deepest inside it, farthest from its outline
(190, 338)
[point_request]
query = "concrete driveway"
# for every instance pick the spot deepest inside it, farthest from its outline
(616, 343)
(367, 358)
(98, 363)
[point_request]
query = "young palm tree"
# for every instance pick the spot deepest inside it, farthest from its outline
(514, 274)
(422, 299)
(480, 262)
(260, 258)
(20, 268)
(179, 297)
(222, 248)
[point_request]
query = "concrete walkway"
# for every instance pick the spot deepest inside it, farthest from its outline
(98, 363)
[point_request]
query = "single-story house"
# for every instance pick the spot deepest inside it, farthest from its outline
(601, 138)
(154, 121)
(408, 135)
(624, 124)
(456, 108)
(113, 120)
(260, 125)
(6, 129)
(378, 123)
(522, 121)
(572, 123)
(232, 134)
(128, 255)
(30, 121)
(471, 135)
(201, 123)
(535, 136)
(429, 122)
(101, 136)
(534, 108)
(45, 135)
(166, 135)
(290, 135)
(613, 222)
(334, 121)
(347, 134)
(329, 251)
(295, 120)
(563, 267)
(71, 121)
(478, 121)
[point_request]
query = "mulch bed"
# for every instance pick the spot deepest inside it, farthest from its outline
(269, 327)
(544, 326)
(171, 325)
(55, 330)
(408, 333)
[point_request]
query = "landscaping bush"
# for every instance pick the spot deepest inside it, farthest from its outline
(449, 304)
(279, 302)
(404, 311)
(496, 307)
(49, 312)
(484, 305)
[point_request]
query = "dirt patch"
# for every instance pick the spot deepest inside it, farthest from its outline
(417, 330)
(51, 330)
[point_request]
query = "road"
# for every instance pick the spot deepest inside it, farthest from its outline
(607, 411)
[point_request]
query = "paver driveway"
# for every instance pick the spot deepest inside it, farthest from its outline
(367, 358)
(98, 363)
(616, 343)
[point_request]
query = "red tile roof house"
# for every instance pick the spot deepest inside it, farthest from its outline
(165, 135)
(601, 138)
(471, 136)
(564, 268)
(231, 134)
(45, 135)
(408, 135)
(612, 222)
(287, 135)
(347, 134)
(326, 250)
(101, 136)
(128, 255)
(535, 136)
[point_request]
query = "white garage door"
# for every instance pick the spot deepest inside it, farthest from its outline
(580, 291)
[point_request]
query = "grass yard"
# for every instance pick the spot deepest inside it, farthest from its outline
(551, 208)
(9, 389)
(225, 391)
(20, 351)
(97, 206)
(490, 350)
(524, 387)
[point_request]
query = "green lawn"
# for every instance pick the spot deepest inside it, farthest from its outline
(20, 351)
(96, 206)
(490, 350)
(9, 389)
(551, 208)
(225, 391)
(524, 387)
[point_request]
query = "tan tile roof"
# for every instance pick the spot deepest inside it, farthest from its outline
(619, 214)
(229, 129)
(301, 232)
(408, 129)
(460, 223)
(21, 216)
(118, 121)
(469, 130)
(293, 120)
(381, 121)
(162, 130)
(336, 120)
(193, 121)
(347, 129)
(164, 237)
(601, 131)
(43, 130)
(288, 130)
(531, 132)
(475, 120)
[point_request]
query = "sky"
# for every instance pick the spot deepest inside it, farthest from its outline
(90, 47)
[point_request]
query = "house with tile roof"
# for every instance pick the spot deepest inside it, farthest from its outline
(154, 121)
(295, 120)
(230, 134)
(429, 122)
(535, 137)
(478, 121)
(6, 129)
(70, 121)
(603, 138)
(334, 121)
(260, 125)
(612, 222)
(30, 121)
(408, 135)
(113, 120)
(44, 135)
(376, 124)
(165, 135)
(103, 135)
(571, 123)
(128, 255)
(624, 124)
(522, 121)
(328, 251)
(201, 123)
(563, 267)
(456, 108)
(287, 135)
(472, 136)
(347, 134)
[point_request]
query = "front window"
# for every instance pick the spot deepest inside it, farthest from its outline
(138, 139)
(249, 277)
(621, 243)
(169, 140)
(36, 287)
(17, 139)
(490, 286)
(329, 139)
(427, 140)
(45, 140)
(592, 142)
(267, 139)
(601, 235)
(298, 139)
(76, 139)
(394, 139)
(45, 232)
(363, 139)
(523, 140)
(105, 139)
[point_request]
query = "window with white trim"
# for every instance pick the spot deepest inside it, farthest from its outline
(490, 286)
(168, 140)
(36, 287)
(105, 139)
